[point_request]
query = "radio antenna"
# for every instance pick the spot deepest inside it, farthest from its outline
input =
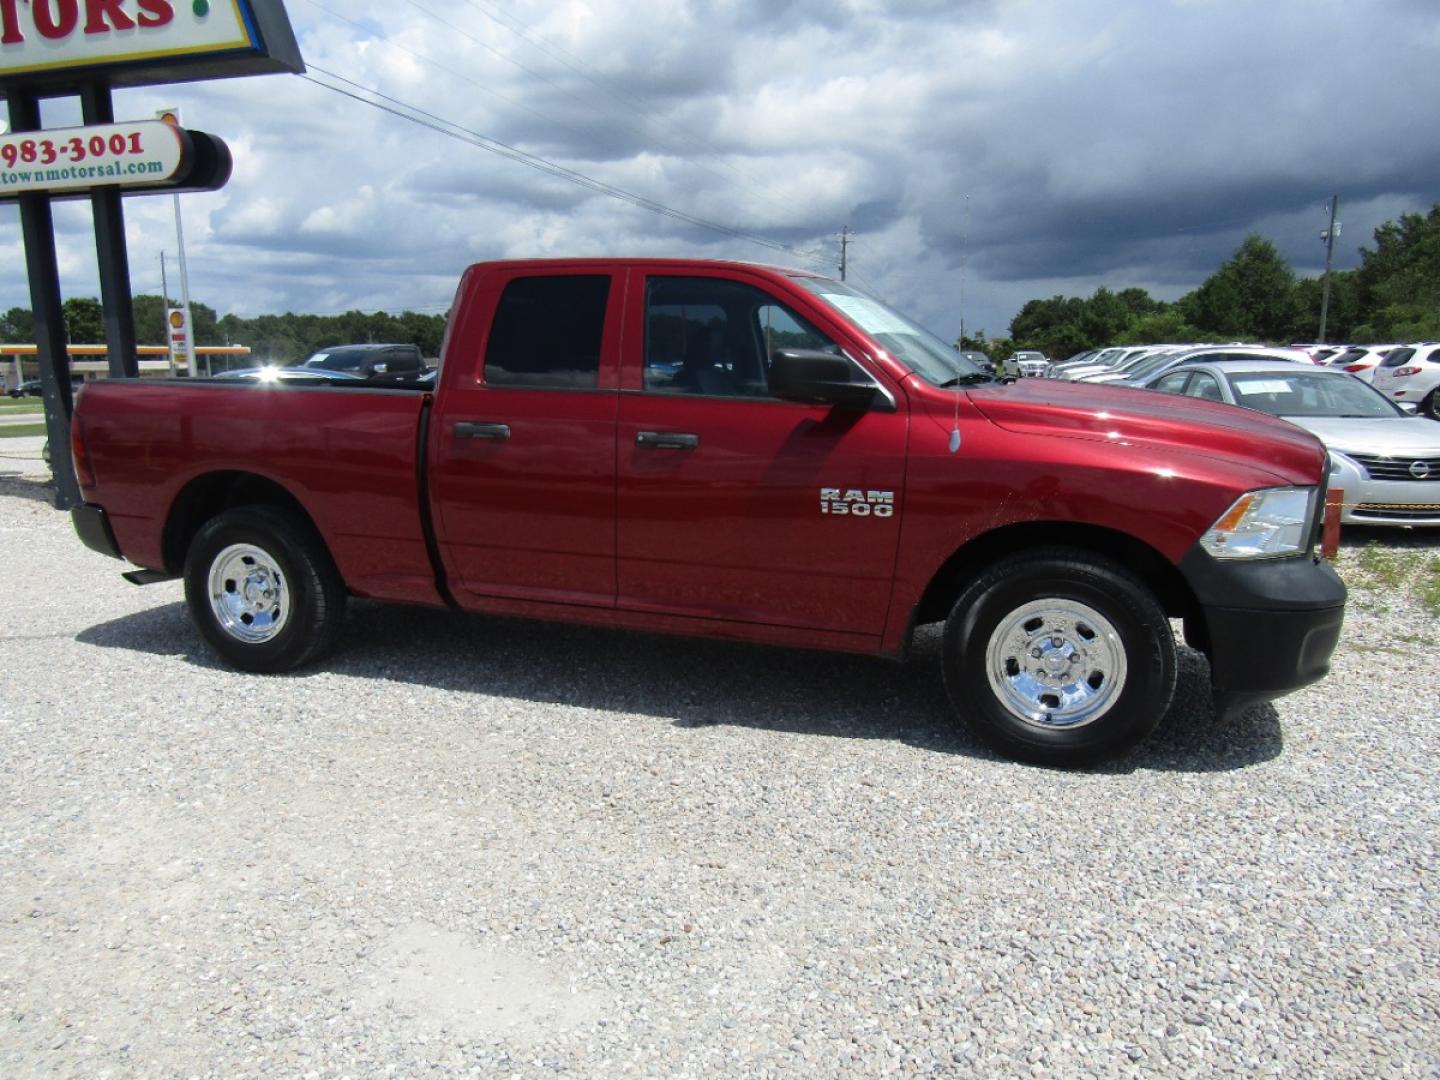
(964, 243)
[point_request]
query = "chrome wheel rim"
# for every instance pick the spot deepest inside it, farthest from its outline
(248, 594)
(1056, 663)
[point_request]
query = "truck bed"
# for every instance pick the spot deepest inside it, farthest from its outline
(349, 456)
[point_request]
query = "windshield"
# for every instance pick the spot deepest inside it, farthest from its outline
(915, 347)
(1310, 394)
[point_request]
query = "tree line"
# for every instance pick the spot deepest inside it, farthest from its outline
(1394, 295)
(281, 339)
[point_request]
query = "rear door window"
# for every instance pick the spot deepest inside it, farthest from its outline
(547, 332)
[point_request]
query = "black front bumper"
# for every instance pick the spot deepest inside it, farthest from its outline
(1269, 626)
(93, 528)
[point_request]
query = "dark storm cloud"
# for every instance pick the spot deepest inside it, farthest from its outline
(1161, 153)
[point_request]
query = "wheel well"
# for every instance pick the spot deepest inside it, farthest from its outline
(206, 496)
(1139, 558)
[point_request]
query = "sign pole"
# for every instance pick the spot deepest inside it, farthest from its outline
(112, 250)
(37, 225)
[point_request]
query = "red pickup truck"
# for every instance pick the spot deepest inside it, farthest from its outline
(744, 452)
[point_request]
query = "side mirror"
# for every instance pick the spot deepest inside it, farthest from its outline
(379, 369)
(822, 378)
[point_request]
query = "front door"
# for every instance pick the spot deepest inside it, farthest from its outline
(734, 504)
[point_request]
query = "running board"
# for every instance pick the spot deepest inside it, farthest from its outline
(148, 577)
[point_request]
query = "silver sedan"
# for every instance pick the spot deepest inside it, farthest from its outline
(1386, 460)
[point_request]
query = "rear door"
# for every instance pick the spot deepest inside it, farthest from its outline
(522, 463)
(734, 504)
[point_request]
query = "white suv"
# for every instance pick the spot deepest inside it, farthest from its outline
(1412, 373)
(1027, 362)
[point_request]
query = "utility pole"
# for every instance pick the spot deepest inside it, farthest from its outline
(165, 314)
(844, 251)
(1329, 237)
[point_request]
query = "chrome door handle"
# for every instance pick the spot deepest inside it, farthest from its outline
(666, 440)
(466, 429)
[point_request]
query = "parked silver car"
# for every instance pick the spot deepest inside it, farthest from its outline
(1386, 460)
(1411, 373)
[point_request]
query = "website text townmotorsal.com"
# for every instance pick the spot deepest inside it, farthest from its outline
(99, 173)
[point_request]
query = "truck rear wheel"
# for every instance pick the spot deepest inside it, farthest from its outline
(262, 589)
(1060, 657)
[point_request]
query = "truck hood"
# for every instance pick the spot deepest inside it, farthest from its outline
(1149, 418)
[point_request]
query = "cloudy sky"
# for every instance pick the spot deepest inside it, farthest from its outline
(982, 152)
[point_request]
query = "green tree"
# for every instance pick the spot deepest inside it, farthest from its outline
(17, 327)
(1103, 318)
(1049, 325)
(1251, 296)
(84, 320)
(1399, 282)
(1343, 315)
(1165, 324)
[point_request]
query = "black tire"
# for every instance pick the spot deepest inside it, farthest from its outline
(1095, 682)
(288, 607)
(1431, 405)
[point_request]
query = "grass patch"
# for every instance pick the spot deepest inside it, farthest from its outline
(1378, 577)
(9, 406)
(15, 431)
(1386, 567)
(1430, 588)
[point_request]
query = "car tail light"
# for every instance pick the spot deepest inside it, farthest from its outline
(1405, 371)
(80, 455)
(1358, 367)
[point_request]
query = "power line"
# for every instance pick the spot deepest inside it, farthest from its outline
(644, 135)
(459, 132)
(607, 87)
(432, 63)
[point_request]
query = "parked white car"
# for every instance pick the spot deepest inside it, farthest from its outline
(1411, 373)
(1153, 366)
(1360, 360)
(1093, 359)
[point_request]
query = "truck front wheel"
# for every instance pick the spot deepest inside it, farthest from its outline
(1060, 657)
(262, 589)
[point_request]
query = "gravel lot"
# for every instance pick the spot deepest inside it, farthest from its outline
(472, 845)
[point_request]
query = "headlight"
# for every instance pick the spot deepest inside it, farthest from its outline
(1263, 524)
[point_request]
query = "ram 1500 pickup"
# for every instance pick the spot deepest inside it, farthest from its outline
(743, 452)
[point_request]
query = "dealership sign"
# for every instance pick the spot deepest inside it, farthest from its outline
(58, 44)
(78, 159)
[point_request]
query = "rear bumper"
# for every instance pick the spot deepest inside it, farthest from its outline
(1269, 626)
(93, 528)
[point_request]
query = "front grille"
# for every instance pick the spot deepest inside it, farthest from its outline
(1398, 512)
(1397, 468)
